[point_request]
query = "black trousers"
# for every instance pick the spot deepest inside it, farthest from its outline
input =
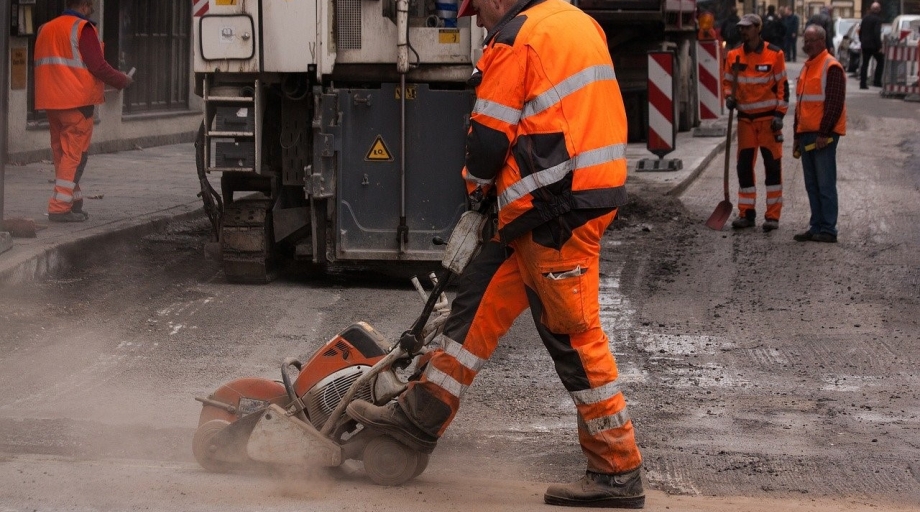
(879, 67)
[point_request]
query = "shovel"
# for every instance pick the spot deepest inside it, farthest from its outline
(723, 210)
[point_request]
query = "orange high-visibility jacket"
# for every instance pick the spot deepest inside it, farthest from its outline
(763, 89)
(62, 80)
(809, 91)
(549, 127)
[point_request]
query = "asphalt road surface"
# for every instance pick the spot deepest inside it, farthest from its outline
(761, 373)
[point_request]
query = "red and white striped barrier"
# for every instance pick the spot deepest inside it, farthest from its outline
(901, 69)
(662, 133)
(708, 64)
(199, 7)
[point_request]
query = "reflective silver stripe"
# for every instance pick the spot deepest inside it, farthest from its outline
(779, 76)
(444, 381)
(557, 172)
(816, 97)
(774, 200)
(811, 97)
(593, 396)
(774, 188)
(781, 103)
(497, 111)
(64, 198)
(604, 423)
(748, 190)
(64, 183)
(745, 200)
(568, 86)
(77, 61)
(755, 79)
(462, 355)
(760, 104)
(729, 76)
(78, 195)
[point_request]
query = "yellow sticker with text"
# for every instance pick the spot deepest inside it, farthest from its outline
(449, 35)
(379, 152)
(411, 92)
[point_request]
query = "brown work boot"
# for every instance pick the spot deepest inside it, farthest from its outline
(599, 490)
(390, 419)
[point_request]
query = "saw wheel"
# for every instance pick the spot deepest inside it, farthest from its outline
(389, 462)
(204, 448)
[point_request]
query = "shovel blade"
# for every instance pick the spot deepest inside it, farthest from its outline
(721, 214)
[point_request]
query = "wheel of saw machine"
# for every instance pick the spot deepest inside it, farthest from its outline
(389, 462)
(422, 464)
(204, 448)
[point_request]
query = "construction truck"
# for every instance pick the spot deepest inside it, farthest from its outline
(636, 27)
(337, 127)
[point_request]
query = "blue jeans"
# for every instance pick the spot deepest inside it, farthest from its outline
(820, 171)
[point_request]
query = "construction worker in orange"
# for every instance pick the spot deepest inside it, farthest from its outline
(820, 121)
(547, 138)
(69, 74)
(754, 82)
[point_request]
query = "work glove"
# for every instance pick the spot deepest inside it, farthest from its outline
(730, 103)
(777, 124)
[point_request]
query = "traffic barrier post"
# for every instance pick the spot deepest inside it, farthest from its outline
(899, 76)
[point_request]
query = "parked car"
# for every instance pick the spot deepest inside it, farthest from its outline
(849, 50)
(841, 27)
(906, 26)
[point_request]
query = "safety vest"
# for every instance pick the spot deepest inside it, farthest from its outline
(762, 86)
(810, 92)
(549, 128)
(62, 80)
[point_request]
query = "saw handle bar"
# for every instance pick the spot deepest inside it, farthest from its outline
(297, 406)
(413, 340)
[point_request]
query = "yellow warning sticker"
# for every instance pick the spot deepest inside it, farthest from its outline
(379, 151)
(449, 36)
(411, 92)
(225, 2)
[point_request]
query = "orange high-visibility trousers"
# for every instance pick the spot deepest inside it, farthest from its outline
(71, 134)
(754, 133)
(554, 271)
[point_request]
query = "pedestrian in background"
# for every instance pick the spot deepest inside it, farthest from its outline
(820, 121)
(774, 29)
(70, 71)
(870, 39)
(729, 29)
(762, 99)
(791, 20)
(823, 20)
(548, 136)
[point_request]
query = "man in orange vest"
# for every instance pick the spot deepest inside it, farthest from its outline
(761, 96)
(820, 121)
(547, 139)
(69, 74)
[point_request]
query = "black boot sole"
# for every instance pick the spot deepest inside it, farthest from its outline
(634, 502)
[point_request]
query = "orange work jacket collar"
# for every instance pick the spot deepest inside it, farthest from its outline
(758, 49)
(819, 57)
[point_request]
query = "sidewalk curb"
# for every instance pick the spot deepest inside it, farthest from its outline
(59, 257)
(686, 182)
